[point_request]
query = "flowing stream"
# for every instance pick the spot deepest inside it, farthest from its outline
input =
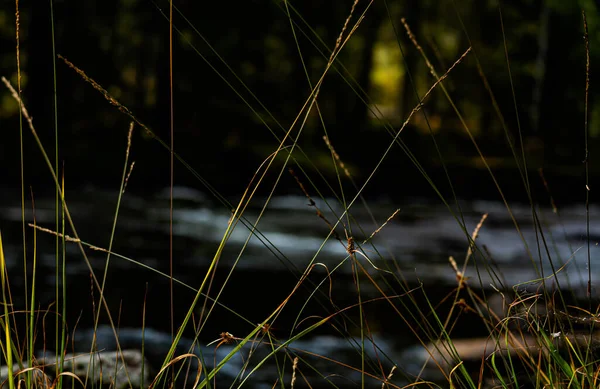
(414, 246)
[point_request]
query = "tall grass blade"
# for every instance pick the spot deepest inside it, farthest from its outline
(8, 343)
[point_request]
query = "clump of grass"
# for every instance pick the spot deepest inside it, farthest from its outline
(539, 340)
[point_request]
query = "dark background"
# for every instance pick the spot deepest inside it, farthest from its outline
(238, 85)
(124, 46)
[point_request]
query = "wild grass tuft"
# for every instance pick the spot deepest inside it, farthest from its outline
(537, 334)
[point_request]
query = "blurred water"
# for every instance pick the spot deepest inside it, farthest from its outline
(289, 237)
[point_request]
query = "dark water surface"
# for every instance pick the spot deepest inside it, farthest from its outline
(414, 247)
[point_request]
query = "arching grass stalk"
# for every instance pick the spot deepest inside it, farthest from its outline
(114, 228)
(65, 208)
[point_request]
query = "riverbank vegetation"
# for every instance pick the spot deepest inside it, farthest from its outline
(396, 103)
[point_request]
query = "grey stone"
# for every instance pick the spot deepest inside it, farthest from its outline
(119, 370)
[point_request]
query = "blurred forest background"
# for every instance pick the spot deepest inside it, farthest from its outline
(224, 133)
